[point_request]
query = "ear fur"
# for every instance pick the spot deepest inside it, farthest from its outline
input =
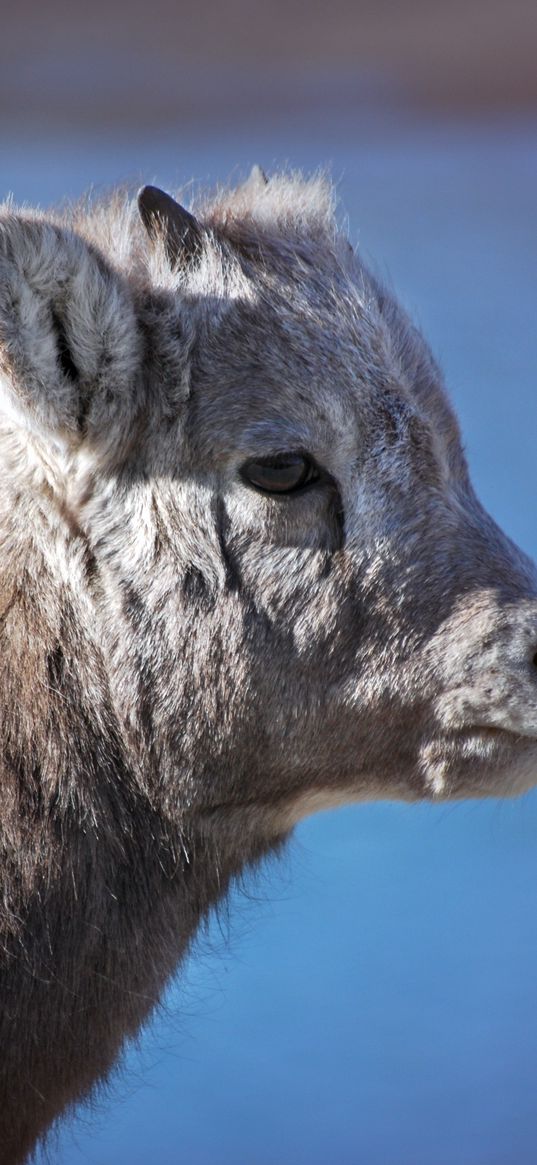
(70, 349)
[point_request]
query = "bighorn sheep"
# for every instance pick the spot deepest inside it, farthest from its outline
(244, 576)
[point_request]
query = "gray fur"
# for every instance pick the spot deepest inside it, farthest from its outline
(188, 665)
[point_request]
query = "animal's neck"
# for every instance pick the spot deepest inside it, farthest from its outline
(103, 888)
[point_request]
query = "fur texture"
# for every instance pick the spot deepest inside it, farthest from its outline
(189, 664)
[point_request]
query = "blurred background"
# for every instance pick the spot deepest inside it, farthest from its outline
(373, 999)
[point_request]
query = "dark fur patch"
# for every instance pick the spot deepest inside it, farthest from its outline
(196, 589)
(233, 578)
(56, 667)
(133, 604)
(65, 357)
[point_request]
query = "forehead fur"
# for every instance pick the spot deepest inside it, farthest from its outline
(275, 244)
(286, 206)
(256, 219)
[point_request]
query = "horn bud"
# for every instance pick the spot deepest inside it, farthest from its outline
(164, 218)
(258, 176)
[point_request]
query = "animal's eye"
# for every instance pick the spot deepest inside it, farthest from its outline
(283, 474)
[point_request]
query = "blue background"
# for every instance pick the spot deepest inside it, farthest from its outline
(372, 998)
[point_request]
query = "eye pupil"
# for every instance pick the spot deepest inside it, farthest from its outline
(282, 474)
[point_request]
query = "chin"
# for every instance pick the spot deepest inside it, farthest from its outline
(480, 762)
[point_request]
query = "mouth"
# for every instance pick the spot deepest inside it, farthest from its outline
(498, 732)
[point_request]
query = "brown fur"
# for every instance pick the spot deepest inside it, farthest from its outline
(187, 664)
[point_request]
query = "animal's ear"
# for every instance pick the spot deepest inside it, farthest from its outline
(70, 349)
(164, 218)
